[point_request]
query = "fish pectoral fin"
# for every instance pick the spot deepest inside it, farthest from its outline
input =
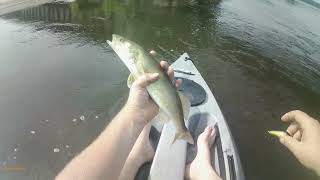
(183, 135)
(130, 80)
(185, 105)
(141, 67)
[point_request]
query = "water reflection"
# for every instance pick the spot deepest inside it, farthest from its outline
(194, 24)
(99, 19)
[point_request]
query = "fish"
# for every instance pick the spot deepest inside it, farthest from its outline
(173, 105)
(277, 133)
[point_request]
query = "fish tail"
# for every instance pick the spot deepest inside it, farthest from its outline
(185, 135)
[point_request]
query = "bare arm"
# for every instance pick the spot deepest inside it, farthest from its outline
(106, 156)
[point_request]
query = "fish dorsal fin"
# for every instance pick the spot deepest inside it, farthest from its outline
(185, 105)
(130, 80)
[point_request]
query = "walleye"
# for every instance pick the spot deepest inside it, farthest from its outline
(173, 105)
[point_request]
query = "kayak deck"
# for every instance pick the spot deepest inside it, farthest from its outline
(170, 159)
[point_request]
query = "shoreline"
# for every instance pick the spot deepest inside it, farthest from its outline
(8, 6)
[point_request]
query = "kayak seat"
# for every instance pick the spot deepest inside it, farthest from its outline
(195, 93)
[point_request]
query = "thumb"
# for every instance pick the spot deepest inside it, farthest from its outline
(146, 79)
(292, 144)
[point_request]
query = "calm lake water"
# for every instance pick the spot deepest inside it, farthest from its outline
(61, 83)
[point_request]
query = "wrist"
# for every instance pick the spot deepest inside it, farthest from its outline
(134, 115)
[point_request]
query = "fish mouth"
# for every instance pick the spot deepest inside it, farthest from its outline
(116, 42)
(116, 37)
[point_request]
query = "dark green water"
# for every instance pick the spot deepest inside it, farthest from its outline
(261, 58)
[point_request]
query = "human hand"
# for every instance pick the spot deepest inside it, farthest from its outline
(139, 102)
(304, 139)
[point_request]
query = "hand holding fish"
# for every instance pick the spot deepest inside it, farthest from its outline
(304, 139)
(139, 101)
(107, 155)
(174, 106)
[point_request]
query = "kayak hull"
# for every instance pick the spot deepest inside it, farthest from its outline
(170, 159)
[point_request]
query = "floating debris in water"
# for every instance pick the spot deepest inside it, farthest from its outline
(97, 18)
(45, 120)
(97, 117)
(15, 149)
(82, 118)
(74, 120)
(171, 50)
(56, 150)
(153, 52)
(14, 157)
(67, 146)
(32, 132)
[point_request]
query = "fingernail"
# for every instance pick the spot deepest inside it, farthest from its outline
(284, 115)
(287, 133)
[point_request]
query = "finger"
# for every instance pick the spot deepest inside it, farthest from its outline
(213, 136)
(213, 132)
(292, 144)
(297, 116)
(293, 128)
(297, 135)
(146, 79)
(170, 73)
(164, 65)
(178, 83)
(208, 130)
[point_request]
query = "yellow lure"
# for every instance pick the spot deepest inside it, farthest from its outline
(277, 133)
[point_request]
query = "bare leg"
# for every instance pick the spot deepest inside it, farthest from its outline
(141, 152)
(200, 168)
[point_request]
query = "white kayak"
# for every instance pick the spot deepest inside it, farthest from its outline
(170, 159)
